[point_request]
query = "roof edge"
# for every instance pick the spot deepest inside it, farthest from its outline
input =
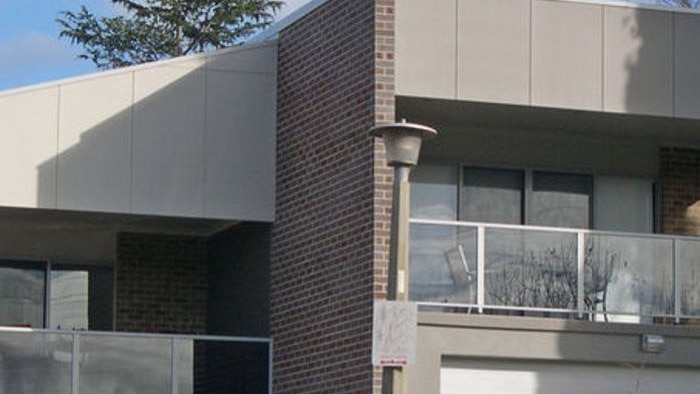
(144, 66)
(628, 4)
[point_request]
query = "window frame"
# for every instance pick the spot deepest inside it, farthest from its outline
(528, 174)
(46, 267)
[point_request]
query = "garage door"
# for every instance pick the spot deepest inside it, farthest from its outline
(494, 377)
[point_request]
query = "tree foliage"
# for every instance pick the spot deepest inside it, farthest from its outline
(157, 29)
(681, 3)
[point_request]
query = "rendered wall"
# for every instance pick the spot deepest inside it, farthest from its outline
(563, 54)
(191, 137)
(451, 336)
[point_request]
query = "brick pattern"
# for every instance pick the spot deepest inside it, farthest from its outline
(679, 176)
(383, 175)
(330, 238)
(161, 283)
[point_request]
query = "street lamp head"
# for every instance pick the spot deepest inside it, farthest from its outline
(403, 141)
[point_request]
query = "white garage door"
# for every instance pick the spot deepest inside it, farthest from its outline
(494, 377)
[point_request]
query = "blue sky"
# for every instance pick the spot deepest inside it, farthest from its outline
(30, 51)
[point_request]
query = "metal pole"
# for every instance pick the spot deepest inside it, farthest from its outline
(403, 141)
(398, 249)
(395, 378)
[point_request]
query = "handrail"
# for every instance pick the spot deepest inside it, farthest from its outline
(129, 334)
(571, 230)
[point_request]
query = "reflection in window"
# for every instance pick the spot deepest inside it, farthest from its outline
(624, 204)
(492, 195)
(81, 297)
(69, 299)
(530, 197)
(560, 200)
(434, 192)
(22, 295)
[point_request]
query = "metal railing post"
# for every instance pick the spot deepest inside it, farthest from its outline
(174, 355)
(581, 306)
(580, 272)
(75, 365)
(480, 264)
(676, 284)
(269, 368)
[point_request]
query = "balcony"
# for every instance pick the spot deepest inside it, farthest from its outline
(554, 272)
(73, 362)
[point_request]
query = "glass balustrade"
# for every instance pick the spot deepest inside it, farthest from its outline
(600, 276)
(43, 361)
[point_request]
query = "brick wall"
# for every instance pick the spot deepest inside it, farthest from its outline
(679, 175)
(161, 283)
(330, 238)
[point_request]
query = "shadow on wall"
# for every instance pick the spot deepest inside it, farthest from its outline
(158, 139)
(647, 64)
(145, 157)
(608, 362)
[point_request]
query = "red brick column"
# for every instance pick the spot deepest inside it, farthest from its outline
(679, 175)
(330, 238)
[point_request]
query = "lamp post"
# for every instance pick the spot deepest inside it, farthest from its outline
(403, 142)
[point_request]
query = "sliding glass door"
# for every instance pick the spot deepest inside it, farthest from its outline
(22, 294)
(67, 296)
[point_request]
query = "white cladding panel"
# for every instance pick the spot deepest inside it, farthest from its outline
(562, 54)
(638, 61)
(240, 153)
(28, 147)
(567, 55)
(427, 47)
(687, 64)
(501, 377)
(187, 137)
(94, 141)
(168, 153)
(496, 69)
(241, 111)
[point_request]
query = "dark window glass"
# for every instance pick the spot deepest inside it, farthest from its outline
(81, 297)
(434, 192)
(22, 294)
(561, 200)
(492, 195)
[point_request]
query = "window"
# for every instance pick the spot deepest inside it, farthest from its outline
(526, 197)
(624, 204)
(434, 192)
(494, 196)
(543, 198)
(22, 294)
(560, 200)
(65, 296)
(81, 296)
